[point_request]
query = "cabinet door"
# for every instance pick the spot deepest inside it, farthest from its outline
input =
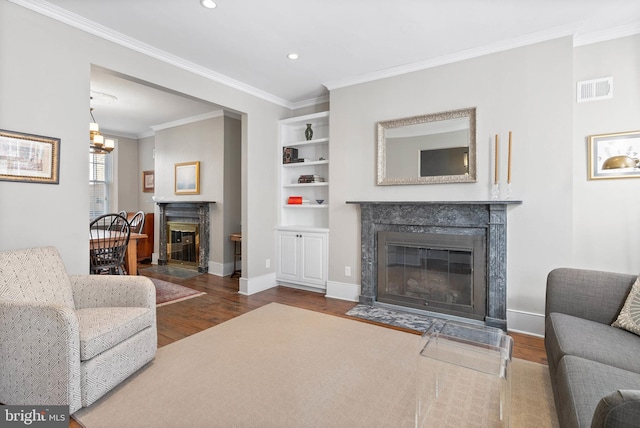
(288, 263)
(313, 258)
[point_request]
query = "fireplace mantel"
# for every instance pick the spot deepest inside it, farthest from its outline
(420, 216)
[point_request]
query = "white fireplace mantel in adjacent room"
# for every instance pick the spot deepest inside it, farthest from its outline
(431, 217)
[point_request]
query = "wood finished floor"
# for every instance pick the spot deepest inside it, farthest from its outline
(222, 302)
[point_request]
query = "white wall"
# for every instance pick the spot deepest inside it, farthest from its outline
(44, 81)
(528, 91)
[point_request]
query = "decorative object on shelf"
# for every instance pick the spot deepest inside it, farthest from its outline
(97, 143)
(294, 200)
(311, 178)
(289, 155)
(187, 178)
(29, 158)
(308, 133)
(495, 191)
(319, 201)
(148, 181)
(614, 155)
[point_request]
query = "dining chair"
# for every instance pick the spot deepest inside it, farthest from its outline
(109, 236)
(137, 222)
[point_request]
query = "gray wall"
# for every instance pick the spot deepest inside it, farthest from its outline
(564, 220)
(127, 180)
(42, 59)
(528, 91)
(606, 220)
(146, 162)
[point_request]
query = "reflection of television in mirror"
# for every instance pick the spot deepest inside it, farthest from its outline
(453, 161)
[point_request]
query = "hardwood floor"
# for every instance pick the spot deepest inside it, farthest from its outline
(222, 302)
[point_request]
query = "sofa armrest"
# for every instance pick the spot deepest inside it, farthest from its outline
(39, 354)
(620, 409)
(593, 295)
(92, 291)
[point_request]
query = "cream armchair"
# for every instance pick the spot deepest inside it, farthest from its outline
(69, 339)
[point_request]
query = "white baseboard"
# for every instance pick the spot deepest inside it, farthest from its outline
(525, 322)
(249, 286)
(343, 291)
(220, 269)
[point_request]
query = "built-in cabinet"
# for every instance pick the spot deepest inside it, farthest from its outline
(302, 235)
(302, 258)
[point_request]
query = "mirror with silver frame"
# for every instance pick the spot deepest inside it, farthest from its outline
(428, 149)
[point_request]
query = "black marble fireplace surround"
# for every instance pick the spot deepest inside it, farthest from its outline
(185, 212)
(484, 218)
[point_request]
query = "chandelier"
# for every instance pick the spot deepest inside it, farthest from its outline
(97, 143)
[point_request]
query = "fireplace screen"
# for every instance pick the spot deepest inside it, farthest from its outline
(183, 244)
(435, 272)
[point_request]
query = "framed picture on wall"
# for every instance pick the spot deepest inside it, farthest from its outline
(187, 178)
(148, 181)
(29, 158)
(614, 155)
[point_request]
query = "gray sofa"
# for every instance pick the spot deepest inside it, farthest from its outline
(595, 368)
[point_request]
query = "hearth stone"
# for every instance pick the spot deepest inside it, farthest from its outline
(460, 217)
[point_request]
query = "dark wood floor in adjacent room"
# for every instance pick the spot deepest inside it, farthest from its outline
(222, 302)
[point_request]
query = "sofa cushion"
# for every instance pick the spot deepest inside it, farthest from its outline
(629, 318)
(35, 275)
(103, 328)
(581, 384)
(569, 335)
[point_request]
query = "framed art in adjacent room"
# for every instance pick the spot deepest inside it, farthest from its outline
(148, 181)
(187, 178)
(614, 155)
(29, 158)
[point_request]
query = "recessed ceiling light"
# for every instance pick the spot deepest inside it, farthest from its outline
(209, 4)
(292, 55)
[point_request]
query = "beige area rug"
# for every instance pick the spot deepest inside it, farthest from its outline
(280, 366)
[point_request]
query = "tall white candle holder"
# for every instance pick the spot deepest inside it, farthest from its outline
(508, 191)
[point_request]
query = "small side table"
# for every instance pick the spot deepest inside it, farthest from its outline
(463, 376)
(237, 253)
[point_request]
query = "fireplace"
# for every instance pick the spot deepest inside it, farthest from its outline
(184, 234)
(442, 272)
(442, 258)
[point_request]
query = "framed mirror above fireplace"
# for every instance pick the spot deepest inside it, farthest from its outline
(428, 149)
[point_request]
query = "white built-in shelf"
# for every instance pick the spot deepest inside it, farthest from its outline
(307, 143)
(309, 205)
(323, 183)
(310, 163)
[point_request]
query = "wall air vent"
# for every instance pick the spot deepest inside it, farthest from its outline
(596, 89)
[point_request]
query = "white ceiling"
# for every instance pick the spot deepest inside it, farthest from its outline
(244, 43)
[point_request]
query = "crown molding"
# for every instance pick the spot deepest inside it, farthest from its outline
(555, 33)
(583, 39)
(188, 120)
(579, 39)
(59, 14)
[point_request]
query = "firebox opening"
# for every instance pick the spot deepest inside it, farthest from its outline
(433, 272)
(183, 244)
